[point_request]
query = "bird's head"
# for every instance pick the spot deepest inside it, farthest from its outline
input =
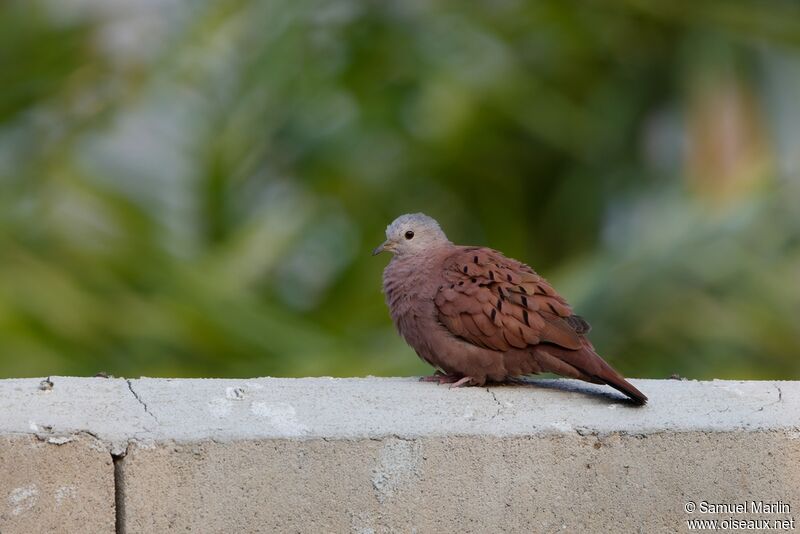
(413, 233)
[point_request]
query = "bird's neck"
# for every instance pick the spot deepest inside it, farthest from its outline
(407, 282)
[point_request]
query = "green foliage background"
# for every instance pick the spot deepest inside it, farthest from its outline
(193, 188)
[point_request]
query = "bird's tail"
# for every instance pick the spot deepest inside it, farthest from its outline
(586, 364)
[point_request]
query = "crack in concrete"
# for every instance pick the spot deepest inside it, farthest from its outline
(499, 404)
(119, 493)
(718, 411)
(92, 434)
(118, 461)
(139, 399)
(776, 401)
(376, 438)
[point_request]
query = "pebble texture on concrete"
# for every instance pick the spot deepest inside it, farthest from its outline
(55, 485)
(386, 454)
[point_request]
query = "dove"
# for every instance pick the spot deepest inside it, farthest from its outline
(477, 316)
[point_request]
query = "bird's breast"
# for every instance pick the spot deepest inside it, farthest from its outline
(409, 291)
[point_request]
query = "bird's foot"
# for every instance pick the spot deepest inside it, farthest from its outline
(465, 381)
(440, 378)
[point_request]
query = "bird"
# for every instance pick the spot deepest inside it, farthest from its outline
(477, 316)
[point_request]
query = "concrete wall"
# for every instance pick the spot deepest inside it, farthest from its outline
(391, 455)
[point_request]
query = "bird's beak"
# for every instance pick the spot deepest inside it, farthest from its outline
(383, 247)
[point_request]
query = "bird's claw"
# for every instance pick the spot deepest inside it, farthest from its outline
(440, 378)
(465, 381)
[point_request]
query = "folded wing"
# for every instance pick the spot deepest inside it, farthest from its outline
(501, 304)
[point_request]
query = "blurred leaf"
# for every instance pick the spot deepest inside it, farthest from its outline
(193, 189)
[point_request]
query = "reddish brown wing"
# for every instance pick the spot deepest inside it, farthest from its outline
(499, 303)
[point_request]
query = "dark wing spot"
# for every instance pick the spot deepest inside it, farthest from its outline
(522, 290)
(472, 280)
(525, 317)
(461, 283)
(494, 314)
(500, 304)
(579, 324)
(491, 275)
(475, 260)
(465, 269)
(508, 277)
(553, 308)
(524, 302)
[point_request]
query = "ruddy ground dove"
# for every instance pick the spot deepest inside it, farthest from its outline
(477, 316)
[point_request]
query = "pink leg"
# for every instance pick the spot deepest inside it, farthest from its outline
(440, 378)
(465, 381)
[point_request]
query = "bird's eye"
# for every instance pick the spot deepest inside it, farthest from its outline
(409, 234)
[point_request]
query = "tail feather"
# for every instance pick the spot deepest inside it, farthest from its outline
(586, 364)
(623, 386)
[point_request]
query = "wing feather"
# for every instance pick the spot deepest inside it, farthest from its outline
(499, 303)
